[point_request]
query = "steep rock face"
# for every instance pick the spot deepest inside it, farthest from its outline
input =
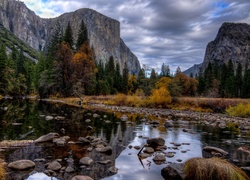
(104, 32)
(231, 43)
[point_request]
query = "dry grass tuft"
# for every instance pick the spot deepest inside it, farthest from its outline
(2, 171)
(212, 168)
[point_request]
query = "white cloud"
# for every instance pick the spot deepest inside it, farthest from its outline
(159, 31)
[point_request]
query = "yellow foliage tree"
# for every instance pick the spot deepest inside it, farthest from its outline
(160, 97)
(132, 84)
(163, 82)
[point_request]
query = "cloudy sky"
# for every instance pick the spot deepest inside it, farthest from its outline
(174, 32)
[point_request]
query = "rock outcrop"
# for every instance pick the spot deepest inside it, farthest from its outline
(231, 43)
(104, 32)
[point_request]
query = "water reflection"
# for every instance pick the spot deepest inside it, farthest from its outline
(30, 120)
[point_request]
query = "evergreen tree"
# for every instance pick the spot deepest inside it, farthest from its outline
(3, 60)
(245, 93)
(118, 78)
(223, 78)
(20, 63)
(125, 79)
(238, 80)
(82, 36)
(165, 70)
(230, 80)
(68, 36)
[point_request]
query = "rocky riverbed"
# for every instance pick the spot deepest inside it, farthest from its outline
(151, 137)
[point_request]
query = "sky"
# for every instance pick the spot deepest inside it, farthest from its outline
(173, 32)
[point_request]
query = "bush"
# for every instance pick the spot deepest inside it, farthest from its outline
(120, 99)
(134, 101)
(212, 168)
(160, 97)
(241, 110)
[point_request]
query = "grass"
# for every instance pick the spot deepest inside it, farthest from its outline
(197, 104)
(2, 171)
(211, 169)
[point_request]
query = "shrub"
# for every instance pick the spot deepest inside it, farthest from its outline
(120, 99)
(212, 168)
(134, 101)
(241, 110)
(160, 97)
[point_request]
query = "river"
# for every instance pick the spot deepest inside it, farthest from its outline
(28, 120)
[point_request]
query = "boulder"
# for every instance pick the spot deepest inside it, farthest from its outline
(113, 170)
(47, 137)
(173, 172)
(81, 178)
(21, 164)
(149, 150)
(69, 169)
(86, 161)
(106, 149)
(215, 150)
(156, 142)
(83, 140)
(54, 166)
(159, 157)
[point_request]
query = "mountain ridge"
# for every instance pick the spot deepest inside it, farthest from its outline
(232, 42)
(104, 32)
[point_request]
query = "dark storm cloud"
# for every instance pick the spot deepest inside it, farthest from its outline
(174, 32)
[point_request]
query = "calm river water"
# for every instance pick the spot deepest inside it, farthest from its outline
(20, 120)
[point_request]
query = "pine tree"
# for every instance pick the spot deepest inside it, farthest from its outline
(238, 80)
(3, 60)
(68, 36)
(82, 36)
(165, 70)
(125, 79)
(20, 63)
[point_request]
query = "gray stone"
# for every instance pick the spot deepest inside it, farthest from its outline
(113, 170)
(48, 118)
(86, 161)
(69, 169)
(159, 157)
(21, 164)
(83, 140)
(106, 149)
(79, 177)
(145, 155)
(149, 150)
(173, 172)
(156, 142)
(54, 166)
(47, 137)
(87, 120)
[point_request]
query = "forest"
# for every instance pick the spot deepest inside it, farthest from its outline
(69, 69)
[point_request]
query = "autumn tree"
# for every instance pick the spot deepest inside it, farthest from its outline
(84, 70)
(62, 70)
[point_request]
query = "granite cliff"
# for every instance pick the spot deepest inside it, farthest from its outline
(231, 43)
(104, 32)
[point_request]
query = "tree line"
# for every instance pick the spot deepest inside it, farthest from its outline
(69, 68)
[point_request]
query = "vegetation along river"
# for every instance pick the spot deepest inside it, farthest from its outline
(111, 140)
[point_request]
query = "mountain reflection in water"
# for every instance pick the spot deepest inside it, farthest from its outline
(30, 120)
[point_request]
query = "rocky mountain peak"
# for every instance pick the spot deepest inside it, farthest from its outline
(104, 32)
(231, 43)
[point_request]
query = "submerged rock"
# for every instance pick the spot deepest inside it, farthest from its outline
(21, 164)
(156, 142)
(173, 172)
